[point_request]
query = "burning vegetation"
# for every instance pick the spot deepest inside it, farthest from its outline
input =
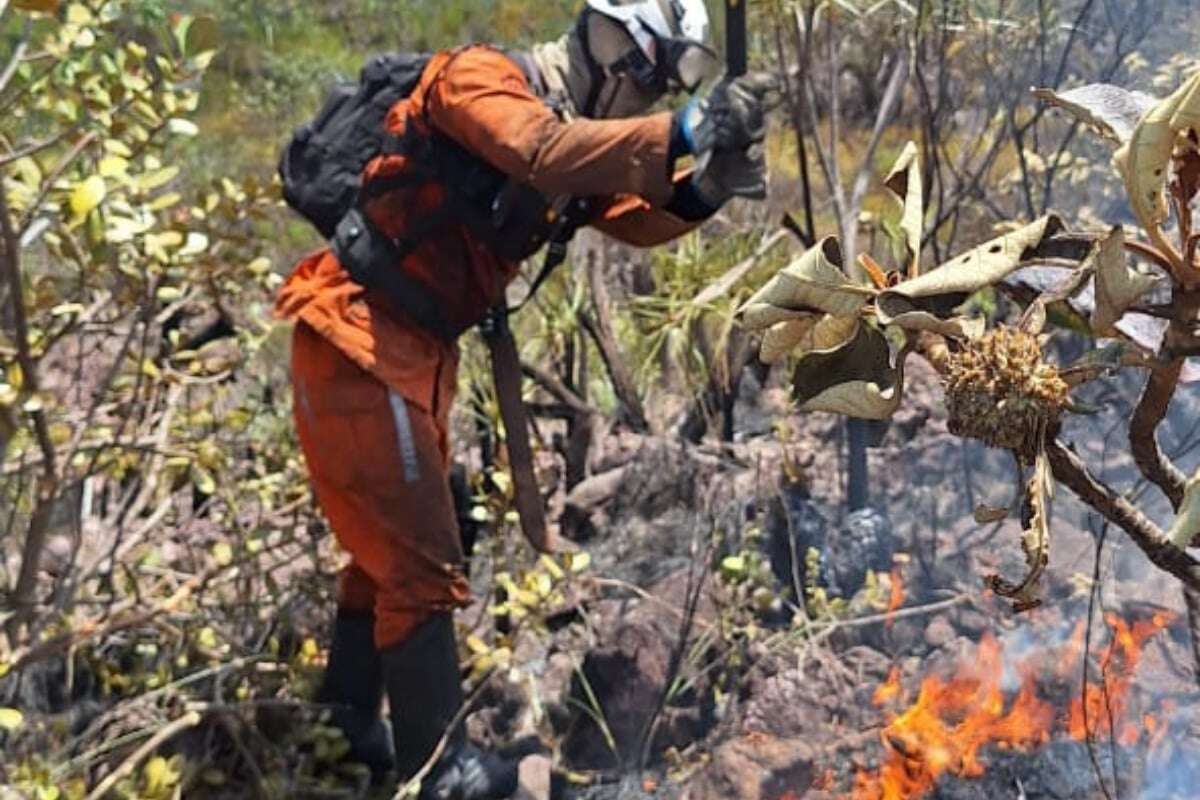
(1000, 701)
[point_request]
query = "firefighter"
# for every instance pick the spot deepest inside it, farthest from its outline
(373, 389)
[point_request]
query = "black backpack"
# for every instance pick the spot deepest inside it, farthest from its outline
(322, 165)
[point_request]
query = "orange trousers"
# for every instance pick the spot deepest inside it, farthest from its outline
(379, 465)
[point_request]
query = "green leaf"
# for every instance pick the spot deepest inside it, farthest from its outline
(11, 719)
(153, 180)
(194, 245)
(259, 266)
(202, 36)
(160, 775)
(182, 127)
(733, 567)
(203, 480)
(87, 196)
(223, 554)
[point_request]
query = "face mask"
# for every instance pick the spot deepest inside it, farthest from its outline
(621, 96)
(632, 83)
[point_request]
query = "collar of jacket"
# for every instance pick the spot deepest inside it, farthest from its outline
(545, 66)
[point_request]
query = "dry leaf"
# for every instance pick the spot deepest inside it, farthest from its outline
(813, 282)
(1109, 110)
(45, 6)
(856, 379)
(1118, 286)
(904, 182)
(812, 333)
(985, 515)
(1035, 541)
(1143, 160)
(927, 303)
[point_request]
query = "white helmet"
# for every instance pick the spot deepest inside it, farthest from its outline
(671, 34)
(647, 20)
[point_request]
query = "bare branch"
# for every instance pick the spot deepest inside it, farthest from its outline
(188, 720)
(602, 331)
(23, 599)
(724, 284)
(558, 389)
(891, 98)
(1070, 471)
(1143, 432)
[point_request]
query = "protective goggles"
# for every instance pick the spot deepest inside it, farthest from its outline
(679, 65)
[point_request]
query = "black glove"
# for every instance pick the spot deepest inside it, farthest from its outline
(723, 174)
(732, 116)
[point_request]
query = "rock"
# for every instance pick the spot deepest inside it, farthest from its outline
(622, 678)
(796, 525)
(864, 541)
(756, 766)
(799, 702)
(971, 621)
(939, 632)
(583, 511)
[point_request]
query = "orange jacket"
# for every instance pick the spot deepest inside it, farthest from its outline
(482, 99)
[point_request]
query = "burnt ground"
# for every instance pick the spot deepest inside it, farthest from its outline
(766, 708)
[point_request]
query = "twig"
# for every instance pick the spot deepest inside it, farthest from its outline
(891, 98)
(1089, 734)
(1150, 253)
(75, 152)
(1070, 470)
(616, 583)
(37, 147)
(698, 568)
(10, 69)
(189, 720)
(724, 284)
(260, 784)
(96, 628)
(551, 383)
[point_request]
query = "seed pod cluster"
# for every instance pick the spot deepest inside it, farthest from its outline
(1001, 391)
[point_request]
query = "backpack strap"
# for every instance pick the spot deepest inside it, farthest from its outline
(577, 214)
(372, 259)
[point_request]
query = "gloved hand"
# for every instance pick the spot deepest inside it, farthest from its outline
(723, 174)
(732, 116)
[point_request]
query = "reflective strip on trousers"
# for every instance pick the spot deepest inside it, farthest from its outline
(404, 438)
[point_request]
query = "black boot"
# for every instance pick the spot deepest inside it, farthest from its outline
(353, 686)
(425, 692)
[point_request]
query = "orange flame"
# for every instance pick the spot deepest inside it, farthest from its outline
(889, 690)
(953, 719)
(1096, 710)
